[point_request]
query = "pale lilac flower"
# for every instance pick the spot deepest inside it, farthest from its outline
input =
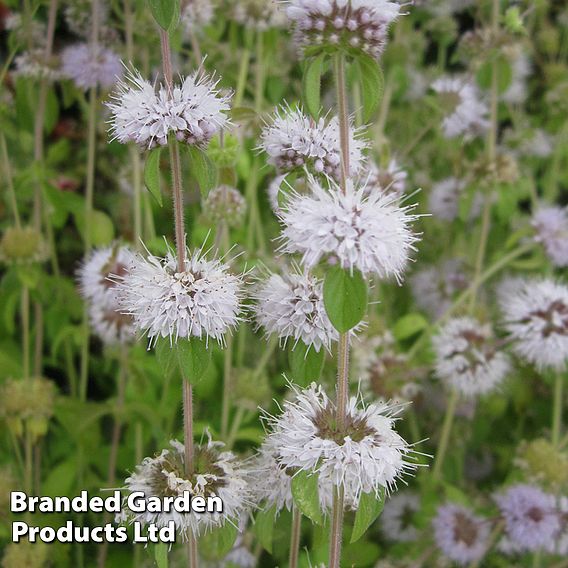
(465, 113)
(225, 204)
(551, 226)
(34, 65)
(91, 67)
(536, 316)
(357, 24)
(366, 456)
(396, 518)
(219, 474)
(200, 301)
(291, 306)
(461, 535)
(370, 233)
(295, 141)
(434, 288)
(110, 325)
(196, 14)
(193, 112)
(517, 91)
(468, 357)
(531, 520)
(444, 200)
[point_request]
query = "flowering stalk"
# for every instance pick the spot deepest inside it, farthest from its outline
(343, 349)
(180, 249)
(557, 409)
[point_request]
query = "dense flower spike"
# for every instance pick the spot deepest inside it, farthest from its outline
(34, 65)
(370, 233)
(291, 307)
(217, 473)
(360, 25)
(89, 67)
(531, 520)
(462, 536)
(202, 301)
(193, 112)
(468, 358)
(465, 113)
(260, 15)
(367, 455)
(225, 204)
(551, 226)
(444, 200)
(535, 314)
(396, 518)
(294, 141)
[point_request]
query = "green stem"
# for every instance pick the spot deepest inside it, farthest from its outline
(295, 537)
(9, 181)
(26, 332)
(336, 527)
(242, 78)
(557, 409)
(445, 435)
(259, 84)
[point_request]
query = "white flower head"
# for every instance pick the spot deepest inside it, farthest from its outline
(465, 113)
(435, 287)
(295, 141)
(217, 473)
(200, 301)
(360, 25)
(396, 518)
(196, 14)
(225, 204)
(468, 358)
(367, 232)
(90, 67)
(260, 15)
(96, 273)
(33, 64)
(366, 455)
(460, 534)
(551, 226)
(389, 180)
(517, 91)
(444, 199)
(291, 306)
(193, 112)
(110, 325)
(535, 314)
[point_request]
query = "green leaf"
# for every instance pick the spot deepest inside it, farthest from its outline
(166, 356)
(372, 84)
(264, 527)
(504, 73)
(202, 169)
(218, 543)
(165, 12)
(193, 358)
(306, 363)
(305, 492)
(409, 325)
(370, 507)
(152, 174)
(345, 297)
(311, 84)
(161, 554)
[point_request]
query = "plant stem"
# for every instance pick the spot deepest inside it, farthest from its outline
(336, 527)
(25, 332)
(445, 435)
(9, 181)
(557, 409)
(295, 537)
(259, 85)
(336, 536)
(242, 79)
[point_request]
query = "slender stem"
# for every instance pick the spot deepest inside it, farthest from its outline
(188, 426)
(115, 441)
(445, 435)
(9, 181)
(29, 464)
(343, 112)
(295, 537)
(195, 48)
(227, 380)
(259, 86)
(557, 409)
(237, 421)
(25, 332)
(336, 527)
(342, 379)
(242, 79)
